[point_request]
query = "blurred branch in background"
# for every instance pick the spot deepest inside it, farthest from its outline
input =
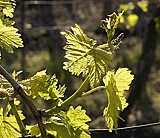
(143, 68)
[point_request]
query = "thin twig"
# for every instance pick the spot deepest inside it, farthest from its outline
(126, 128)
(27, 100)
(19, 121)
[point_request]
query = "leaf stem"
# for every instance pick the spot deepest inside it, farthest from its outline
(93, 90)
(72, 98)
(19, 121)
(56, 123)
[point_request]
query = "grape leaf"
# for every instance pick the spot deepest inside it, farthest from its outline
(58, 131)
(99, 63)
(36, 84)
(77, 50)
(83, 56)
(115, 84)
(9, 38)
(78, 118)
(4, 82)
(45, 86)
(8, 125)
(6, 88)
(34, 130)
(75, 122)
(8, 7)
(57, 94)
(6, 21)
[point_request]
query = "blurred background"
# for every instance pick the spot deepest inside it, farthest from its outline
(40, 23)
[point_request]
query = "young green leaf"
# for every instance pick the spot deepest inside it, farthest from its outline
(8, 7)
(8, 125)
(56, 94)
(45, 86)
(115, 86)
(83, 56)
(112, 22)
(4, 82)
(36, 84)
(9, 38)
(58, 131)
(34, 130)
(78, 118)
(77, 51)
(99, 64)
(6, 21)
(75, 122)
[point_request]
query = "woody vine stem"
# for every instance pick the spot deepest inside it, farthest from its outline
(32, 107)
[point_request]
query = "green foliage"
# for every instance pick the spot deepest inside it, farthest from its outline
(75, 122)
(45, 86)
(115, 84)
(110, 25)
(84, 57)
(59, 131)
(8, 124)
(9, 38)
(7, 7)
(72, 124)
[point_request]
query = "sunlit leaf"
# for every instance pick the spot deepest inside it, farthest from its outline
(8, 125)
(112, 22)
(4, 82)
(78, 118)
(115, 84)
(45, 86)
(75, 122)
(58, 131)
(34, 130)
(77, 50)
(9, 38)
(83, 56)
(38, 83)
(99, 63)
(8, 7)
(6, 21)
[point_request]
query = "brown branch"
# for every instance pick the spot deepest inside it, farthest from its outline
(27, 100)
